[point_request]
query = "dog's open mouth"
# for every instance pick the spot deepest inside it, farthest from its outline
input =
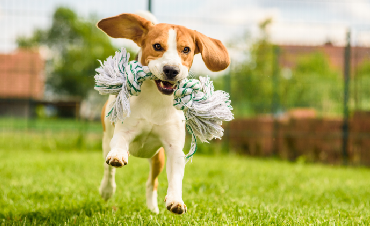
(167, 88)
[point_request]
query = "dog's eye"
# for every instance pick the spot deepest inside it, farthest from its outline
(157, 47)
(186, 50)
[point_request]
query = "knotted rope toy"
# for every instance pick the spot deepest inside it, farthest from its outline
(204, 108)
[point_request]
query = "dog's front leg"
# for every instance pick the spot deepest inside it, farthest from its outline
(175, 168)
(173, 142)
(118, 156)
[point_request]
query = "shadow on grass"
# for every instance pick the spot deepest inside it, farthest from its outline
(94, 212)
(57, 215)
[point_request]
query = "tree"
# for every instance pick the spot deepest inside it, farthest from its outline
(76, 45)
(251, 86)
(361, 86)
(312, 82)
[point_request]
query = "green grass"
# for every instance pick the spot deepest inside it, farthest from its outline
(50, 141)
(50, 125)
(54, 188)
(49, 134)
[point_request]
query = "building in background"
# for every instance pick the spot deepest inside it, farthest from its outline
(22, 82)
(22, 87)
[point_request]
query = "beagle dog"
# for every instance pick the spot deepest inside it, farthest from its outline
(155, 127)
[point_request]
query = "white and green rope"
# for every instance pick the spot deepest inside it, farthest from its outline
(204, 108)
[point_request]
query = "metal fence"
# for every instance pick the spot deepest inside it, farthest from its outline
(292, 61)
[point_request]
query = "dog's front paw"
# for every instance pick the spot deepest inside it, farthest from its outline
(176, 206)
(117, 158)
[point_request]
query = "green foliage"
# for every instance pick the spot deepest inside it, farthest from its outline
(76, 45)
(313, 84)
(360, 88)
(251, 83)
(259, 79)
(58, 188)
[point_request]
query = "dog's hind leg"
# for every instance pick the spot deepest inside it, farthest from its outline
(156, 166)
(108, 184)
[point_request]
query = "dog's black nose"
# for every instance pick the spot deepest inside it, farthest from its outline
(171, 71)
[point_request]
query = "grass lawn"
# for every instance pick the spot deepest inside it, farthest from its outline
(53, 125)
(58, 187)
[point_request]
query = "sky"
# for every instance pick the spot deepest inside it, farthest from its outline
(302, 22)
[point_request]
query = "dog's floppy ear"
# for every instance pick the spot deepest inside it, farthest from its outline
(214, 53)
(128, 26)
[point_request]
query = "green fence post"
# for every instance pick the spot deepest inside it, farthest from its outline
(347, 71)
(226, 137)
(150, 5)
(275, 103)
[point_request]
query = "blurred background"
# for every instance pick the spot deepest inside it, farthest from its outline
(299, 76)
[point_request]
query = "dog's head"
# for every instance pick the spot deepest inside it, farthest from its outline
(168, 50)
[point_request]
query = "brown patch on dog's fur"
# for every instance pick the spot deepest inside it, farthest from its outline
(128, 26)
(157, 165)
(185, 38)
(214, 53)
(145, 35)
(156, 34)
(102, 115)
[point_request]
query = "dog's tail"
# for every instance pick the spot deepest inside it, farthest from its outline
(147, 15)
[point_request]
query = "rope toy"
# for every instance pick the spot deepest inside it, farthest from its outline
(204, 108)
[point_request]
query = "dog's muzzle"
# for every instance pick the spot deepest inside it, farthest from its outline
(167, 88)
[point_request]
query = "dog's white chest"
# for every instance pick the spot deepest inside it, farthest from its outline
(152, 114)
(151, 105)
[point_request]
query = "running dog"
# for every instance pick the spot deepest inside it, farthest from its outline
(155, 127)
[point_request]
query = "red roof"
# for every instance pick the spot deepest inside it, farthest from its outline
(22, 75)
